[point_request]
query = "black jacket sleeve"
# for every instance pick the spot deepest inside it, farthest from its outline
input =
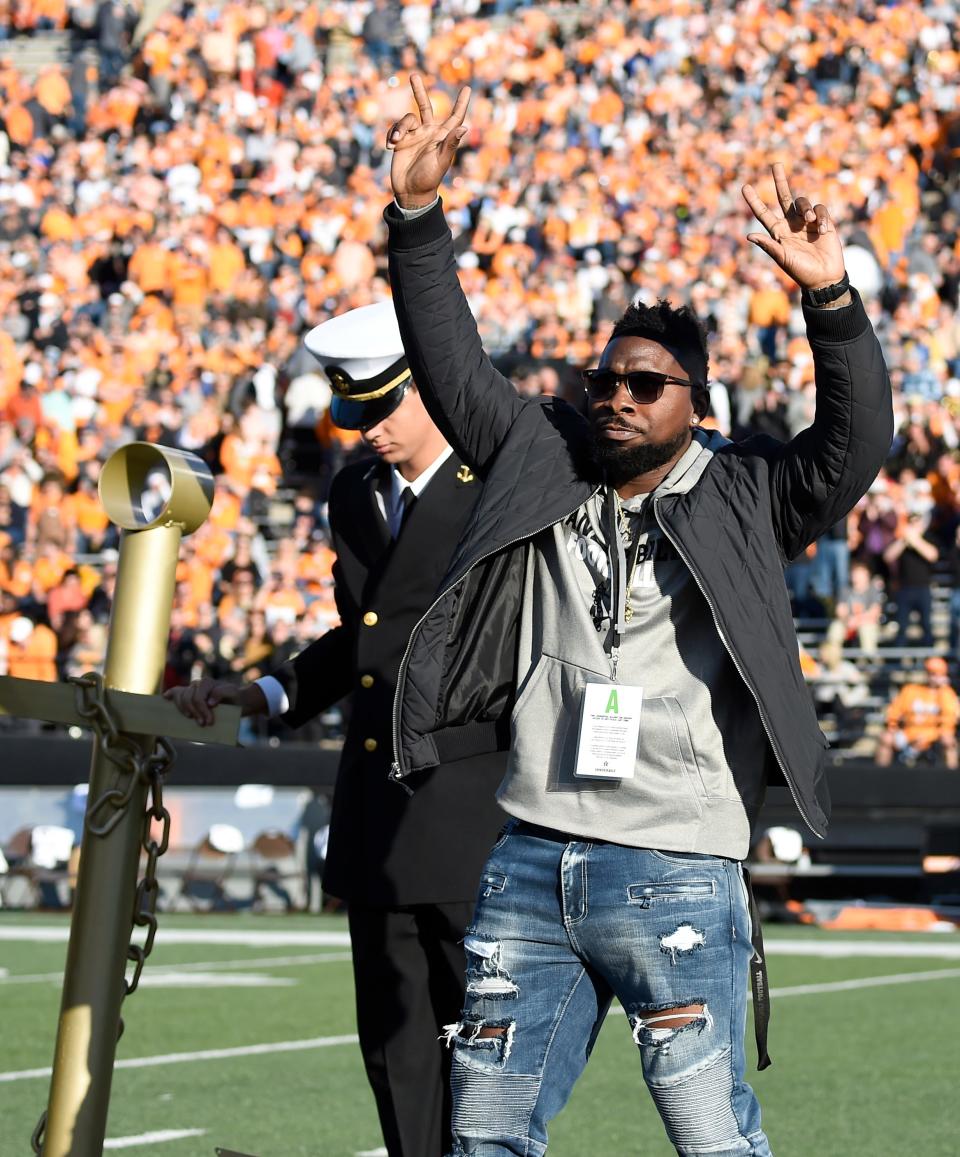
(470, 401)
(818, 477)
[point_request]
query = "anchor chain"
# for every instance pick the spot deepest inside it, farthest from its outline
(104, 813)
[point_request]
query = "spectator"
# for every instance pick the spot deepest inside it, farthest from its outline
(952, 558)
(922, 719)
(382, 33)
(114, 25)
(859, 611)
(50, 522)
(840, 687)
(875, 527)
(831, 564)
(912, 556)
(88, 650)
(13, 518)
(31, 651)
(67, 597)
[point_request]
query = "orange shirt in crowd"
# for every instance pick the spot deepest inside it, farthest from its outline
(769, 306)
(17, 579)
(923, 713)
(36, 658)
(48, 570)
(226, 264)
(150, 268)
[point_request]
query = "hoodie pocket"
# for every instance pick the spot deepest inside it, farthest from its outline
(666, 762)
(546, 726)
(546, 722)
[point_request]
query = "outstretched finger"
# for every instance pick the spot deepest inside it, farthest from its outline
(420, 96)
(459, 110)
(449, 144)
(782, 185)
(763, 213)
(772, 248)
(401, 129)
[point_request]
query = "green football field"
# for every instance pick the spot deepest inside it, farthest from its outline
(242, 1036)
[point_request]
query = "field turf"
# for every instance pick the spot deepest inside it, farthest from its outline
(864, 1044)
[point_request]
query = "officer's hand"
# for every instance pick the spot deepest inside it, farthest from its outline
(198, 700)
(423, 149)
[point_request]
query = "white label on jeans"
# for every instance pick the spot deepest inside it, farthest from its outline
(609, 731)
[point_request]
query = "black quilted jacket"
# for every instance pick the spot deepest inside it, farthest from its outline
(758, 505)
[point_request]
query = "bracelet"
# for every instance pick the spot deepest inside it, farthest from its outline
(827, 294)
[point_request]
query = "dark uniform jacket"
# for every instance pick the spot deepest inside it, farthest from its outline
(758, 505)
(389, 848)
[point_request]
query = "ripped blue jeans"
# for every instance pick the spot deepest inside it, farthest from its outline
(561, 927)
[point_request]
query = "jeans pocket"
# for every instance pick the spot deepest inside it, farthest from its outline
(491, 882)
(504, 834)
(687, 857)
(665, 891)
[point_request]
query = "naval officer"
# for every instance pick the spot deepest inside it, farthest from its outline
(407, 864)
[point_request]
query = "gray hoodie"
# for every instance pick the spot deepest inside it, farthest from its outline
(701, 757)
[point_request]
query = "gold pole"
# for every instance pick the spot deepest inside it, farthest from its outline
(103, 909)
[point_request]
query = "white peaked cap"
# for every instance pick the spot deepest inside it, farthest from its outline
(364, 342)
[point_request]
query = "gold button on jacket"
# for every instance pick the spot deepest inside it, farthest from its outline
(366, 680)
(370, 619)
(370, 744)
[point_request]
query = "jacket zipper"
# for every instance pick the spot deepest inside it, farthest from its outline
(396, 772)
(739, 666)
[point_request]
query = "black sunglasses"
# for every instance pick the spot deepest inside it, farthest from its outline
(644, 386)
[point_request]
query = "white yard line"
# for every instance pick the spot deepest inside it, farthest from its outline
(60, 933)
(911, 949)
(154, 1138)
(866, 982)
(197, 966)
(288, 1046)
(164, 978)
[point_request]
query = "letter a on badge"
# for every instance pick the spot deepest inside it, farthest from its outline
(613, 705)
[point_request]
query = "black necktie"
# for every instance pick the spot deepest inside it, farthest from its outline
(407, 499)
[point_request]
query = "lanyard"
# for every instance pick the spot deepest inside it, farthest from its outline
(622, 571)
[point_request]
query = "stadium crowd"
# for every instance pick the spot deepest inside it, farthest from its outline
(177, 209)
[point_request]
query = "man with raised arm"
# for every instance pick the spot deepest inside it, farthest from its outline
(617, 607)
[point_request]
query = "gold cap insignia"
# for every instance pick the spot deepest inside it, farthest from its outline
(465, 475)
(338, 381)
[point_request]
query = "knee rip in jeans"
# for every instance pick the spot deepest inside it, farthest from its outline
(490, 1039)
(486, 977)
(658, 1025)
(683, 940)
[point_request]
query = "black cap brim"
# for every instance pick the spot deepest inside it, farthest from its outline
(350, 415)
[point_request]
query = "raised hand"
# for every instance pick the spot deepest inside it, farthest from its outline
(423, 148)
(802, 238)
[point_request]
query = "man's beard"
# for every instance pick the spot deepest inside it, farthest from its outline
(622, 464)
